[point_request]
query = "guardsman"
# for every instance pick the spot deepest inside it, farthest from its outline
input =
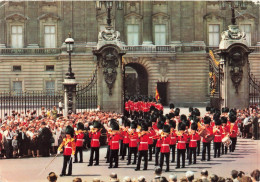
(79, 142)
(160, 125)
(206, 143)
(114, 145)
(143, 147)
(133, 143)
(225, 132)
(68, 146)
(233, 131)
(151, 133)
(125, 138)
(165, 147)
(145, 108)
(193, 136)
(217, 131)
(171, 108)
(181, 145)
(94, 134)
(173, 140)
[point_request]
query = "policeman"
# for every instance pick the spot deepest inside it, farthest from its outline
(68, 147)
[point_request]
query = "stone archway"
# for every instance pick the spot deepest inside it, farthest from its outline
(136, 79)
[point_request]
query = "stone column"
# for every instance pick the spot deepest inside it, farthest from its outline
(2, 27)
(258, 29)
(147, 23)
(91, 23)
(69, 96)
(32, 24)
(119, 22)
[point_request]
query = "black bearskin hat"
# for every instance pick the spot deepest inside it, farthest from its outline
(166, 129)
(80, 126)
(171, 106)
(171, 115)
(232, 118)
(216, 116)
(217, 122)
(133, 125)
(223, 119)
(69, 130)
(208, 108)
(232, 112)
(126, 122)
(144, 127)
(96, 124)
(225, 110)
(181, 126)
(196, 112)
(160, 124)
(114, 125)
(172, 124)
(194, 126)
(183, 117)
(207, 120)
(190, 109)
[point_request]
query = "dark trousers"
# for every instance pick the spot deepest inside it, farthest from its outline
(121, 147)
(96, 150)
(232, 147)
(206, 146)
(132, 150)
(217, 146)
(8, 148)
(66, 160)
(79, 150)
(108, 153)
(167, 156)
(157, 152)
(142, 153)
(125, 148)
(45, 149)
(187, 150)
(198, 147)
(113, 157)
(150, 152)
(154, 144)
(224, 149)
(181, 156)
(173, 152)
(192, 152)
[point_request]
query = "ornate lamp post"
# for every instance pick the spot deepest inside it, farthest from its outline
(69, 43)
(109, 5)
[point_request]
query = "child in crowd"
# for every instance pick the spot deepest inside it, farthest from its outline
(15, 146)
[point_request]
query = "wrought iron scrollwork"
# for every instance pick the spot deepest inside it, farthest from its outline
(236, 76)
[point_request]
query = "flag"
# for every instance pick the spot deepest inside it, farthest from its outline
(157, 96)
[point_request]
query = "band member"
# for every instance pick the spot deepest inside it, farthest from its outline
(69, 147)
(160, 125)
(225, 132)
(114, 145)
(143, 147)
(79, 142)
(151, 133)
(125, 138)
(171, 108)
(94, 134)
(193, 136)
(217, 131)
(173, 140)
(108, 145)
(233, 132)
(206, 143)
(133, 143)
(165, 147)
(181, 145)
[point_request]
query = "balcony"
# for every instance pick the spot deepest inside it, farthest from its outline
(30, 51)
(149, 49)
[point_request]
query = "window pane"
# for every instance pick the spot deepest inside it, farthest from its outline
(133, 34)
(213, 35)
(50, 87)
(160, 34)
(17, 87)
(17, 36)
(49, 36)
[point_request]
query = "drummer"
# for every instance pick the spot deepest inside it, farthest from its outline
(206, 142)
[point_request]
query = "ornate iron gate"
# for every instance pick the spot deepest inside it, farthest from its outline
(254, 91)
(28, 100)
(214, 81)
(86, 95)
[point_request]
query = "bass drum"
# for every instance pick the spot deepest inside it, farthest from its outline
(226, 141)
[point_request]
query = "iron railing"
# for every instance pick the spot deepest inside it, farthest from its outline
(28, 100)
(86, 95)
(254, 91)
(29, 51)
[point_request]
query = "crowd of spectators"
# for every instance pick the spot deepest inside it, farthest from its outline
(235, 176)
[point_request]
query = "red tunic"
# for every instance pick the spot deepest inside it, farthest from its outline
(133, 142)
(225, 130)
(233, 130)
(143, 145)
(80, 138)
(181, 141)
(165, 146)
(114, 145)
(125, 137)
(209, 128)
(69, 146)
(131, 105)
(127, 108)
(145, 107)
(173, 137)
(151, 136)
(95, 139)
(218, 134)
(193, 140)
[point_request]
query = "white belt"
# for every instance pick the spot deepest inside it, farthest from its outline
(81, 139)
(165, 144)
(173, 137)
(125, 136)
(193, 140)
(150, 137)
(95, 139)
(217, 135)
(144, 142)
(133, 139)
(181, 142)
(68, 148)
(114, 141)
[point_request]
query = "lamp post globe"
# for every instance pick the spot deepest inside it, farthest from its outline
(69, 44)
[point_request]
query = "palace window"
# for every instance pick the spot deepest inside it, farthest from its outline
(247, 29)
(214, 35)
(50, 87)
(160, 34)
(17, 68)
(17, 36)
(49, 68)
(133, 34)
(49, 36)
(17, 87)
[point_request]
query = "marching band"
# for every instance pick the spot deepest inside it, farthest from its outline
(150, 128)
